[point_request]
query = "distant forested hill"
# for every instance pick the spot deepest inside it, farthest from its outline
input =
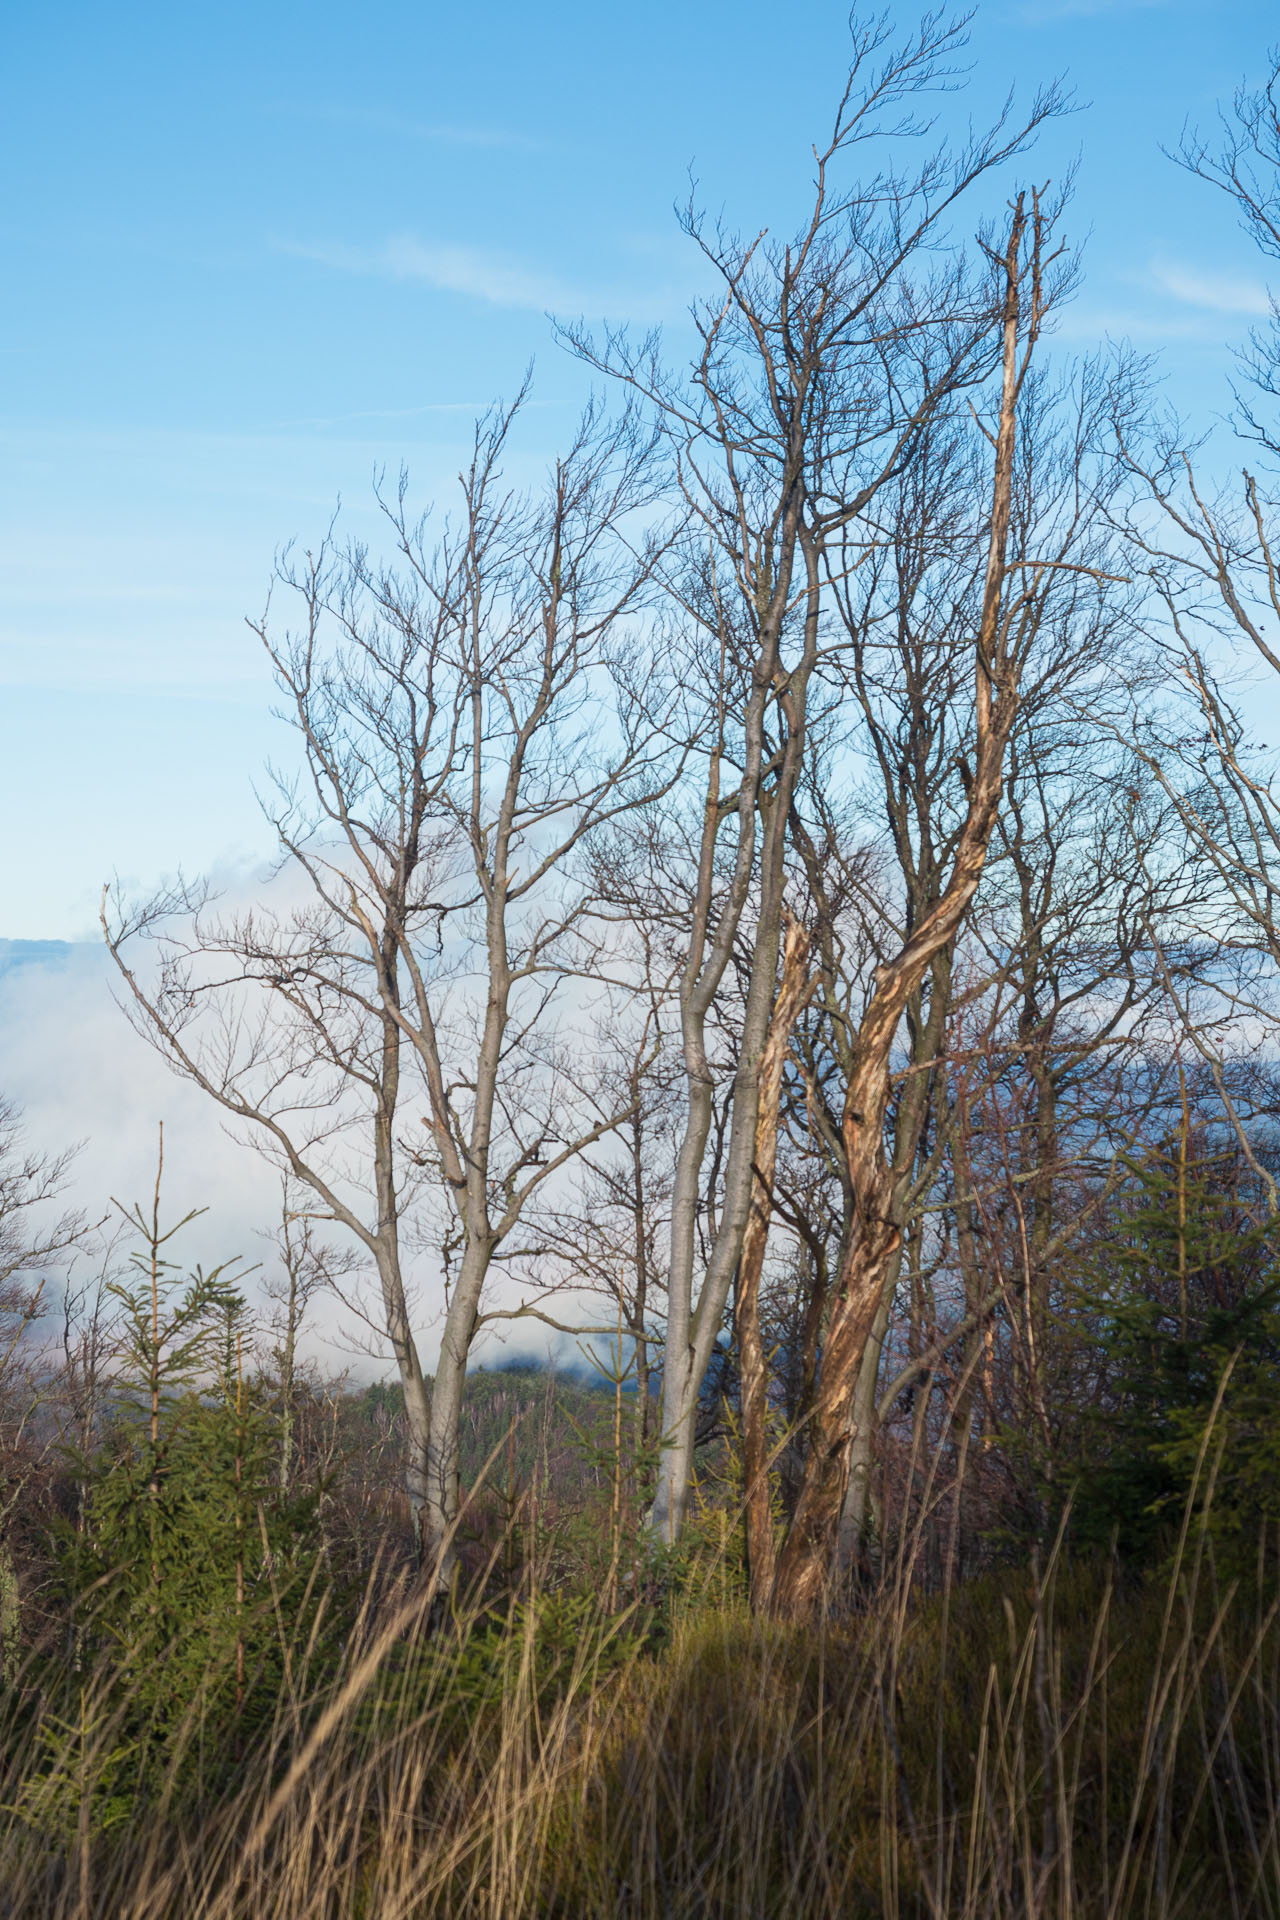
(525, 1419)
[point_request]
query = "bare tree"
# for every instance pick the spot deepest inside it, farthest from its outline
(1210, 555)
(608, 1230)
(468, 715)
(307, 1267)
(1006, 630)
(876, 852)
(35, 1232)
(820, 363)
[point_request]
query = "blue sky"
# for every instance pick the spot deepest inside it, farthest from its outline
(253, 252)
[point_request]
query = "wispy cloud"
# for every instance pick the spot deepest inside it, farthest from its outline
(492, 277)
(1218, 292)
(498, 279)
(1175, 302)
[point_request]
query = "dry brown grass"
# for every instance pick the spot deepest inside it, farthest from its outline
(1044, 1742)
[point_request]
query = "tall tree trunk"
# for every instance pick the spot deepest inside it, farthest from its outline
(417, 1404)
(692, 1331)
(441, 1489)
(680, 1380)
(642, 1411)
(806, 1563)
(793, 990)
(1043, 1176)
(858, 1520)
(973, 1348)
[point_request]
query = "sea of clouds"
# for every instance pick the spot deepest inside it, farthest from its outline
(82, 1078)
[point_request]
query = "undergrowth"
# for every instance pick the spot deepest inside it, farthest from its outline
(1055, 1739)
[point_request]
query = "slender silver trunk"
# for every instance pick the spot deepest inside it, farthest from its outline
(692, 1331)
(679, 1384)
(442, 1492)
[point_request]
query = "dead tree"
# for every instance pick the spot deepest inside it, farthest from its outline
(395, 1032)
(875, 847)
(606, 1231)
(1000, 648)
(821, 362)
(1211, 556)
(794, 988)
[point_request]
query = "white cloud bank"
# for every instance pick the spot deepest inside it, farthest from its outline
(73, 1065)
(80, 1075)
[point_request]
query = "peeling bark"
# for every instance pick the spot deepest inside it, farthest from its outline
(806, 1562)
